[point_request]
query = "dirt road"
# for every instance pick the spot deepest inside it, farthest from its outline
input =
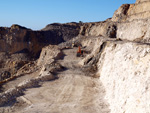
(72, 92)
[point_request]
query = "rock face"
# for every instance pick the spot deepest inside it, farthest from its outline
(21, 39)
(65, 31)
(124, 71)
(106, 29)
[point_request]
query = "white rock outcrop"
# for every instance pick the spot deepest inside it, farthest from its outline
(124, 70)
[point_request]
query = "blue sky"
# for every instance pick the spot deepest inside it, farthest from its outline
(36, 14)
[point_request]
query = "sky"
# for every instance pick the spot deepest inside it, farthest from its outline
(36, 14)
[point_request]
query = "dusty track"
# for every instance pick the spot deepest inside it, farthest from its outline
(73, 92)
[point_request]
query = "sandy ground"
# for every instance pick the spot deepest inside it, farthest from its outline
(72, 92)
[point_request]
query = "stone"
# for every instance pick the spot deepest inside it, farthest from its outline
(48, 54)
